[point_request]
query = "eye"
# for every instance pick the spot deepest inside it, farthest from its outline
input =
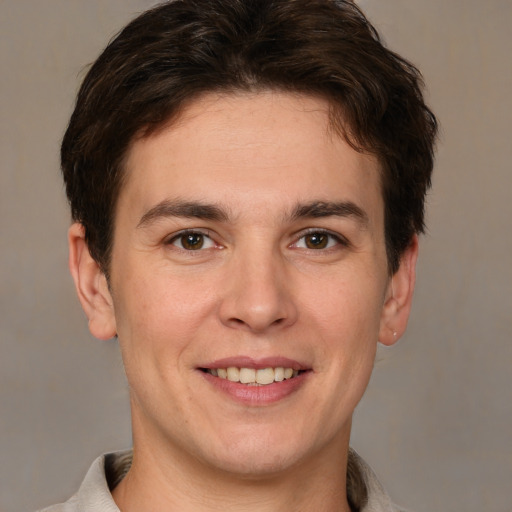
(191, 241)
(318, 240)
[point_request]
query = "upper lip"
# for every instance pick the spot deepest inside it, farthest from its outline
(257, 364)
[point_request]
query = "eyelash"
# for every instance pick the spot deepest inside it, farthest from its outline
(336, 237)
(191, 232)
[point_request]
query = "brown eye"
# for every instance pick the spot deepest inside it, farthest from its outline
(316, 240)
(192, 241)
(320, 240)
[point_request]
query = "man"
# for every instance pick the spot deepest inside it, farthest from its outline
(247, 181)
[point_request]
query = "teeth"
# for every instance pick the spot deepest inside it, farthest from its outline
(265, 376)
(247, 375)
(233, 374)
(250, 376)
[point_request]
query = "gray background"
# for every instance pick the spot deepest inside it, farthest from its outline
(436, 421)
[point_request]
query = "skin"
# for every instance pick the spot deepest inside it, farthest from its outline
(258, 287)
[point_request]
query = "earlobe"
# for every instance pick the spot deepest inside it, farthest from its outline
(91, 285)
(397, 306)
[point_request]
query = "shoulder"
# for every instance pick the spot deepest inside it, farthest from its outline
(70, 506)
(368, 495)
(94, 493)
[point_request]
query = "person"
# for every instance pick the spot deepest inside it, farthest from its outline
(247, 183)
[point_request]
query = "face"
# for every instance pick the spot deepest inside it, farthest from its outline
(249, 283)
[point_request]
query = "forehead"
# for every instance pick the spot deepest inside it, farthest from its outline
(269, 146)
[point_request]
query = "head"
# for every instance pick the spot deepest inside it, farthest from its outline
(171, 55)
(248, 179)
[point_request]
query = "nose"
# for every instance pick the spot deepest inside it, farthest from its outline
(258, 294)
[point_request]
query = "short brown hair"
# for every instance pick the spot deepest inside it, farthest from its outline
(180, 49)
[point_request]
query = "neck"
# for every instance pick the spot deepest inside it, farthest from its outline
(165, 479)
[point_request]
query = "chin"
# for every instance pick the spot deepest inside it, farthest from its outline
(249, 464)
(254, 456)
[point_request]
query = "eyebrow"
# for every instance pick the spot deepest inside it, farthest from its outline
(319, 209)
(205, 211)
(187, 209)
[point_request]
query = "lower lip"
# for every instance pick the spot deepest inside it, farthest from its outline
(257, 395)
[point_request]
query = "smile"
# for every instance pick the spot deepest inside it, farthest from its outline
(252, 376)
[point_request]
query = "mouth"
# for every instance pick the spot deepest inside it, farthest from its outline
(253, 376)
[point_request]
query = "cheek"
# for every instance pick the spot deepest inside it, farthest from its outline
(346, 318)
(351, 302)
(159, 313)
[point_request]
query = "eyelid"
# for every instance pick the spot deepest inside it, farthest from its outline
(170, 239)
(338, 237)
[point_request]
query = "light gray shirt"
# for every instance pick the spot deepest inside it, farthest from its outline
(363, 489)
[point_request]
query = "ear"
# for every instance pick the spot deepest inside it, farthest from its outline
(91, 285)
(397, 305)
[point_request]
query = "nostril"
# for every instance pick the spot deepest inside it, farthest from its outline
(240, 322)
